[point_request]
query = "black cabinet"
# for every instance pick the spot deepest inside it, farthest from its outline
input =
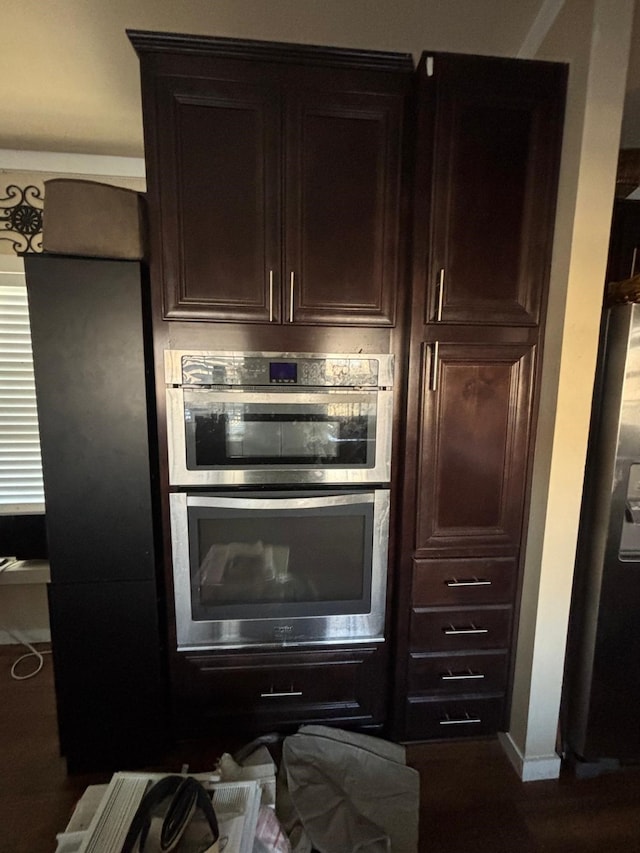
(106, 653)
(87, 323)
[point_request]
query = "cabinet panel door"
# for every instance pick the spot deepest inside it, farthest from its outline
(218, 164)
(473, 451)
(342, 207)
(496, 136)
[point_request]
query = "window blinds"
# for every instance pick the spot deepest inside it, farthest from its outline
(21, 488)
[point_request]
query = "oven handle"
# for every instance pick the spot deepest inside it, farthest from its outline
(300, 503)
(279, 397)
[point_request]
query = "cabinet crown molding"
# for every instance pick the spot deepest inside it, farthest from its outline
(146, 42)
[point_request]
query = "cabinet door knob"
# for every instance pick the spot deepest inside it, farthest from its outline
(454, 582)
(633, 261)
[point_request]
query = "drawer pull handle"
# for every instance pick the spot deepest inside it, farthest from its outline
(467, 629)
(459, 721)
(468, 582)
(272, 694)
(463, 675)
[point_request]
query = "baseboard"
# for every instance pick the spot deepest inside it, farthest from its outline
(530, 769)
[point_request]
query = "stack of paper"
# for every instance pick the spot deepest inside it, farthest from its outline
(236, 805)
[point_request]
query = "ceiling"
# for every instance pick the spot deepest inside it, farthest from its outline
(70, 78)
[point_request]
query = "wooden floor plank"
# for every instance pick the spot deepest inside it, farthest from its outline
(472, 801)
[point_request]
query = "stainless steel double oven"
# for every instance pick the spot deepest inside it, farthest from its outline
(279, 467)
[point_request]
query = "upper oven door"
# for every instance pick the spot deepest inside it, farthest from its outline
(231, 437)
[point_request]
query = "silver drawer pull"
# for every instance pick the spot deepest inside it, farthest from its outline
(467, 629)
(278, 695)
(464, 675)
(468, 582)
(459, 721)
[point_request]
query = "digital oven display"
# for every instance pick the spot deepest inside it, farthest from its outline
(283, 371)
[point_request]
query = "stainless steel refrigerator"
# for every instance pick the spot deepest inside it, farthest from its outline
(601, 697)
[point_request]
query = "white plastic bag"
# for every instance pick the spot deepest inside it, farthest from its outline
(352, 793)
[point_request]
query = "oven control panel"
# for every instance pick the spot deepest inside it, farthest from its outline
(278, 369)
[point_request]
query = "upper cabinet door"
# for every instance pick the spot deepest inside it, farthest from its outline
(342, 208)
(274, 179)
(214, 187)
(488, 144)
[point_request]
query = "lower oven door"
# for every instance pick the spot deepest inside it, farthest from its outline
(279, 568)
(235, 437)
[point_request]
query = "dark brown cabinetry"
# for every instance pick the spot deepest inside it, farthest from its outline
(487, 155)
(274, 176)
(472, 455)
(488, 145)
(276, 188)
(281, 689)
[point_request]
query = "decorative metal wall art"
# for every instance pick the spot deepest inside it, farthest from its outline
(21, 218)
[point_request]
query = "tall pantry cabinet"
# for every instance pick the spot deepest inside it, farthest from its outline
(487, 154)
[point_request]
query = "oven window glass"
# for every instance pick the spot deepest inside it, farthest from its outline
(338, 431)
(289, 562)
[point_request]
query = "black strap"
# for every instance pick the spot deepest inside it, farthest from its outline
(186, 794)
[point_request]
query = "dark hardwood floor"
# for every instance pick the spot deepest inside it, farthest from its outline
(471, 799)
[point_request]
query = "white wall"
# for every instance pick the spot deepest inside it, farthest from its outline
(70, 77)
(595, 36)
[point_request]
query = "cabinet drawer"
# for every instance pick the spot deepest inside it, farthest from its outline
(461, 629)
(464, 581)
(429, 719)
(457, 674)
(286, 690)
